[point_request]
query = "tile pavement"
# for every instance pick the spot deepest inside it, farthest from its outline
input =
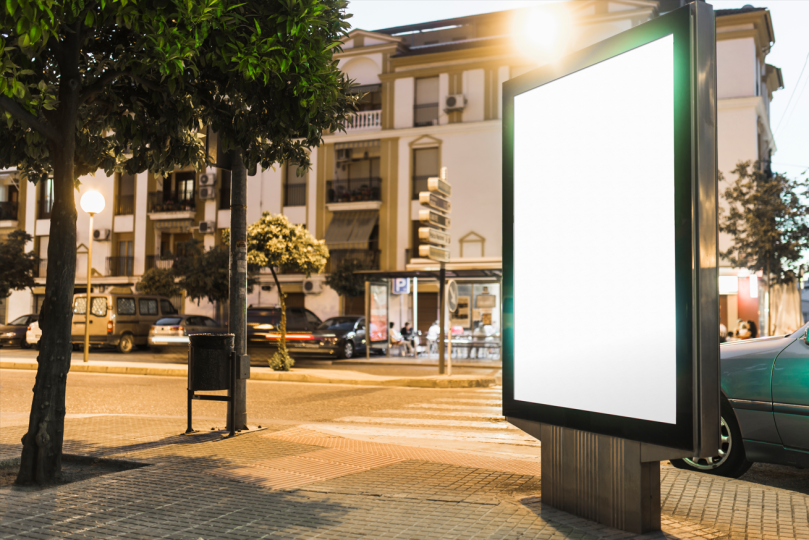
(397, 492)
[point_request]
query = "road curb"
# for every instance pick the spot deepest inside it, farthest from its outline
(279, 376)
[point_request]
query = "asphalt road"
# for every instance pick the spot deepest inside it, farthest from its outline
(465, 419)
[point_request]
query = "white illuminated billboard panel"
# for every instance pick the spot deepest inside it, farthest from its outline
(595, 317)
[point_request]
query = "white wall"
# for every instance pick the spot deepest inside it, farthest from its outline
(404, 96)
(473, 89)
(324, 305)
(736, 68)
(363, 69)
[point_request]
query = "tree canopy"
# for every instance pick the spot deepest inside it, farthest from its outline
(16, 266)
(159, 281)
(767, 220)
(201, 273)
(345, 280)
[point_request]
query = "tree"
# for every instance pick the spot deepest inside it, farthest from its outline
(159, 281)
(16, 266)
(202, 274)
(274, 242)
(345, 281)
(127, 85)
(767, 221)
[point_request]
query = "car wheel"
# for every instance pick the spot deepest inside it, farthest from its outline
(731, 461)
(126, 344)
(24, 343)
(348, 349)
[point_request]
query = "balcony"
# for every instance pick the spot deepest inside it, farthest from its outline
(354, 194)
(155, 261)
(364, 121)
(125, 205)
(8, 213)
(171, 208)
(368, 257)
(120, 266)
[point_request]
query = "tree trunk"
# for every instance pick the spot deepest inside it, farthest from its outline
(282, 345)
(41, 459)
(237, 320)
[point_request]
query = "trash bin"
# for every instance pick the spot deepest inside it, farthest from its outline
(209, 361)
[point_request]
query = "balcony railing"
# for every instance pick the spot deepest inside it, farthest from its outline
(125, 205)
(295, 195)
(364, 121)
(355, 189)
(155, 261)
(368, 257)
(120, 266)
(8, 211)
(157, 203)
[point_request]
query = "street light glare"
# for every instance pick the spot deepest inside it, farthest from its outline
(92, 202)
(543, 33)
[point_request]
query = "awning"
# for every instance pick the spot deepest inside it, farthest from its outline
(373, 143)
(176, 225)
(351, 230)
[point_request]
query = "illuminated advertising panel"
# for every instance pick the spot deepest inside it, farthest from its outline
(378, 329)
(609, 203)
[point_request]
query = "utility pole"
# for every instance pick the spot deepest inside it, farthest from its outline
(237, 320)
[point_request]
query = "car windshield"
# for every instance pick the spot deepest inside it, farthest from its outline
(19, 321)
(168, 321)
(337, 324)
(263, 321)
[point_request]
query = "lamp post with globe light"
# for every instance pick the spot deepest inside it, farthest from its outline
(92, 202)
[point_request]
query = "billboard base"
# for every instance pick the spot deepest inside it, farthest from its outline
(615, 482)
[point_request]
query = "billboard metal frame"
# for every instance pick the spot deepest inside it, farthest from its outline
(696, 256)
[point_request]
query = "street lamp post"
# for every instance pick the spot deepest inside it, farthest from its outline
(92, 202)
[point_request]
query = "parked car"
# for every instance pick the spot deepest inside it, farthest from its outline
(339, 337)
(263, 323)
(764, 405)
(34, 334)
(172, 332)
(118, 319)
(13, 333)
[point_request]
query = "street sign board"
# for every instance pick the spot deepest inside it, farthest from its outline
(401, 285)
(434, 236)
(433, 252)
(436, 201)
(440, 185)
(431, 217)
(452, 295)
(659, 382)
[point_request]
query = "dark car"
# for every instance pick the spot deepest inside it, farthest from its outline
(13, 333)
(764, 405)
(172, 332)
(340, 337)
(263, 324)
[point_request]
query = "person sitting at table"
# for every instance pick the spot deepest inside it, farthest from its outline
(478, 334)
(407, 339)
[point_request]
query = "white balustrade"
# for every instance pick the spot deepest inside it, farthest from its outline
(364, 121)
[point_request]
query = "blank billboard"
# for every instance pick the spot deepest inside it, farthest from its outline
(594, 221)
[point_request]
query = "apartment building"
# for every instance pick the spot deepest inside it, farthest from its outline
(432, 99)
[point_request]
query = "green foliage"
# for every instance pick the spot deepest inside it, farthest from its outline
(281, 361)
(203, 274)
(158, 281)
(274, 241)
(344, 279)
(767, 221)
(16, 266)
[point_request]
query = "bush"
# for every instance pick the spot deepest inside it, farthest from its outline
(281, 361)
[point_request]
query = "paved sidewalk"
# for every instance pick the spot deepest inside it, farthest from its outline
(313, 375)
(294, 482)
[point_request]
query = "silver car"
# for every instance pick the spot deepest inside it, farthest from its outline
(173, 331)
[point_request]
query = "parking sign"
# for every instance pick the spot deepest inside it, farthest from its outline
(401, 286)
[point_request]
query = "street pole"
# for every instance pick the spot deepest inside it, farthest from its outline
(417, 340)
(442, 278)
(87, 304)
(237, 320)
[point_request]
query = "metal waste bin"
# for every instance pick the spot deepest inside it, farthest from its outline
(209, 361)
(210, 367)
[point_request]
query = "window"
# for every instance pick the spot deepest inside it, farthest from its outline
(99, 306)
(294, 186)
(371, 99)
(185, 187)
(46, 199)
(80, 306)
(194, 321)
(425, 165)
(125, 260)
(147, 306)
(425, 111)
(167, 308)
(126, 195)
(169, 321)
(209, 322)
(312, 319)
(224, 190)
(126, 306)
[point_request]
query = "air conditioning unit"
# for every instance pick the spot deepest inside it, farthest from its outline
(311, 286)
(207, 193)
(207, 227)
(454, 102)
(207, 179)
(101, 234)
